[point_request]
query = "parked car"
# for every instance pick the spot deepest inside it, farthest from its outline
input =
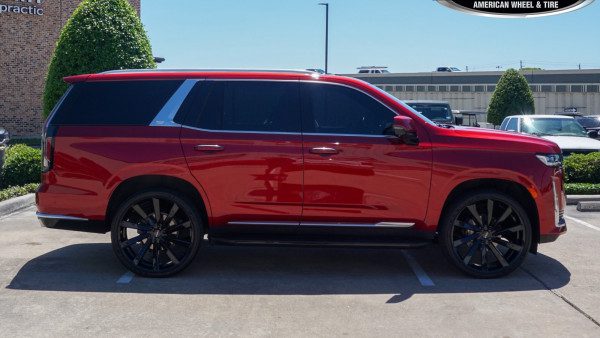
(436, 111)
(316, 70)
(448, 69)
(589, 122)
(162, 158)
(372, 70)
(4, 138)
(570, 136)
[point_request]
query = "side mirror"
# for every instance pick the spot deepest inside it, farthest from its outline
(593, 133)
(404, 129)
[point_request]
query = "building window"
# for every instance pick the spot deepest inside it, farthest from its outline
(561, 88)
(380, 87)
(592, 88)
(420, 88)
(491, 88)
(479, 89)
(534, 88)
(399, 88)
(410, 88)
(389, 88)
(454, 88)
(442, 88)
(466, 89)
(546, 88)
(431, 88)
(576, 88)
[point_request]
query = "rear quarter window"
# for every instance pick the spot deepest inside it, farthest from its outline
(114, 102)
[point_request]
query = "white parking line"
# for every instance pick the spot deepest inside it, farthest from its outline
(582, 223)
(126, 278)
(419, 272)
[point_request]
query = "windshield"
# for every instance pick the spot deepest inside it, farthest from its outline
(421, 116)
(589, 122)
(435, 112)
(552, 127)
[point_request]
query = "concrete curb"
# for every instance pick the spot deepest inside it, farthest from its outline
(15, 204)
(574, 199)
(588, 206)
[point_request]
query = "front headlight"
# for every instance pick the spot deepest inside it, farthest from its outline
(551, 160)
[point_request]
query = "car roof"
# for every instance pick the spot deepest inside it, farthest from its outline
(172, 74)
(425, 101)
(562, 117)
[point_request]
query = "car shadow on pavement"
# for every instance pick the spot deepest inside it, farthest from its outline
(276, 271)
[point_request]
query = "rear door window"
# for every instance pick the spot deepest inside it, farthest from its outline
(114, 102)
(261, 106)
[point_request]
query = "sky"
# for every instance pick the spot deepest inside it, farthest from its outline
(404, 35)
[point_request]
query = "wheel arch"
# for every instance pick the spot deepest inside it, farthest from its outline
(146, 182)
(511, 188)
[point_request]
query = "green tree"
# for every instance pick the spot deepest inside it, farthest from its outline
(511, 97)
(101, 35)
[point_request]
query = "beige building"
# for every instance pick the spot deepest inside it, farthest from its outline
(554, 90)
(29, 30)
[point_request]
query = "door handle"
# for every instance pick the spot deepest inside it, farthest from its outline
(323, 150)
(209, 147)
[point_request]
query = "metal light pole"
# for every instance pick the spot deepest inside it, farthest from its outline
(326, 33)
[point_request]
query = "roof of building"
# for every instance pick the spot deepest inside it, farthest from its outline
(426, 101)
(562, 117)
(533, 77)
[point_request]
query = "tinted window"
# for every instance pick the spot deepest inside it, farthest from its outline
(114, 103)
(512, 124)
(245, 106)
(333, 109)
(504, 123)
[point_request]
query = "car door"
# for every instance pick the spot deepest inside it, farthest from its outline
(243, 144)
(355, 171)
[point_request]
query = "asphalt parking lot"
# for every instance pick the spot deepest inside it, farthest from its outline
(67, 283)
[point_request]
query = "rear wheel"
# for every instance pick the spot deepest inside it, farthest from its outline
(156, 233)
(486, 234)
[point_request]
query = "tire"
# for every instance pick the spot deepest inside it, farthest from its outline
(483, 246)
(156, 249)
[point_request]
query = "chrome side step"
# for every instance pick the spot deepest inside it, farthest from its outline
(402, 225)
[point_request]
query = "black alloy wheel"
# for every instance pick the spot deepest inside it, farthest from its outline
(156, 233)
(486, 234)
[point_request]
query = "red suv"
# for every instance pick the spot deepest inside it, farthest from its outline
(162, 158)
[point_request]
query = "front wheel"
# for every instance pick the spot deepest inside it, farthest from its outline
(486, 234)
(156, 233)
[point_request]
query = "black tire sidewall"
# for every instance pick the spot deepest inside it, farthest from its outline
(183, 203)
(453, 212)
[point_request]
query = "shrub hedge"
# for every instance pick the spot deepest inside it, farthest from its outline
(18, 191)
(22, 165)
(582, 189)
(581, 168)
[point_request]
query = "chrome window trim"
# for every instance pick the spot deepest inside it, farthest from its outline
(63, 217)
(282, 132)
(242, 131)
(164, 118)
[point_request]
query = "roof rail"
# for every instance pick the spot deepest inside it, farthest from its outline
(208, 70)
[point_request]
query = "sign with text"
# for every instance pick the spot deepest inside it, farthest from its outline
(515, 8)
(26, 7)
